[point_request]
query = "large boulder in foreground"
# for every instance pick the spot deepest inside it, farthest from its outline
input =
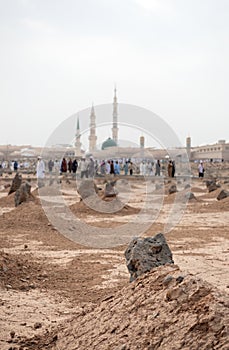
(23, 194)
(144, 254)
(223, 194)
(16, 183)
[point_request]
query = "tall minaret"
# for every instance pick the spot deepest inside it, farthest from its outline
(77, 140)
(92, 137)
(188, 146)
(115, 118)
(142, 146)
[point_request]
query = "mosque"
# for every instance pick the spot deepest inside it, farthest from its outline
(111, 147)
(110, 142)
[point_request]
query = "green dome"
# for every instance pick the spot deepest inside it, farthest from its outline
(109, 143)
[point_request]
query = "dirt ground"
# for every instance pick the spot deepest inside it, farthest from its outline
(46, 280)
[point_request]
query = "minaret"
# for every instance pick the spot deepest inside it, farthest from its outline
(115, 119)
(188, 146)
(92, 137)
(77, 140)
(142, 142)
(142, 146)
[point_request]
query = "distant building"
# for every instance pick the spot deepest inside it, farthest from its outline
(217, 152)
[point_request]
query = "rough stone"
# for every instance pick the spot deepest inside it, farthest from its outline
(210, 182)
(180, 279)
(87, 188)
(212, 187)
(144, 254)
(22, 194)
(110, 190)
(190, 195)
(16, 183)
(223, 194)
(187, 186)
(172, 189)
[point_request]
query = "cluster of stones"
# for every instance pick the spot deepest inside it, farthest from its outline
(22, 190)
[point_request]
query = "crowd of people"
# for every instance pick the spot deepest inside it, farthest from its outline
(14, 165)
(88, 167)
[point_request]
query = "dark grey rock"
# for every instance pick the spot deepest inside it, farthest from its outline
(172, 189)
(210, 182)
(110, 190)
(213, 187)
(187, 186)
(23, 194)
(87, 188)
(16, 183)
(190, 195)
(180, 279)
(223, 194)
(144, 254)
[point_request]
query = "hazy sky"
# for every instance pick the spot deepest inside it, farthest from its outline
(169, 56)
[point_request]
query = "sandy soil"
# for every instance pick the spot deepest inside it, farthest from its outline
(46, 280)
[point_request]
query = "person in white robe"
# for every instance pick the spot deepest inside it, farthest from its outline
(40, 171)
